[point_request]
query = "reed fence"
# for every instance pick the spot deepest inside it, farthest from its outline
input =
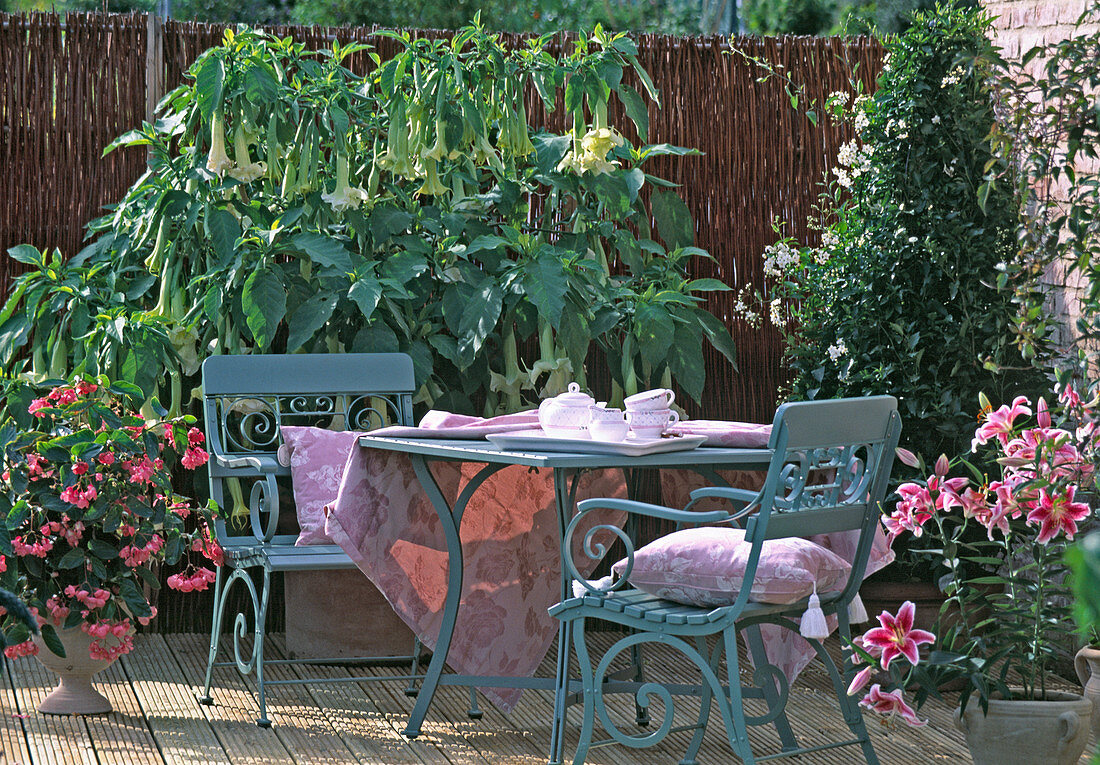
(69, 85)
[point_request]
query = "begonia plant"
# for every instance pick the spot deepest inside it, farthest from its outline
(87, 495)
(1007, 610)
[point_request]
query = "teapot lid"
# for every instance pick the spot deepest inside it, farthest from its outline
(575, 397)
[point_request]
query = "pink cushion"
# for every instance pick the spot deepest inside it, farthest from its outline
(317, 458)
(705, 566)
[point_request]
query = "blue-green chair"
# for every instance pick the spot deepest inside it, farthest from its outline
(829, 473)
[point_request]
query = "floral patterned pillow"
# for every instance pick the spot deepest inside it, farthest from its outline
(317, 458)
(705, 566)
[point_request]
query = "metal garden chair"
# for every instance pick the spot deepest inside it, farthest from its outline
(246, 402)
(828, 473)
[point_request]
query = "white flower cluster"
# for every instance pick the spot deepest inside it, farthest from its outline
(899, 127)
(886, 63)
(778, 258)
(775, 313)
(954, 77)
(742, 308)
(861, 121)
(837, 349)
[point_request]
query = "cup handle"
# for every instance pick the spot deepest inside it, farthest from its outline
(671, 396)
(673, 417)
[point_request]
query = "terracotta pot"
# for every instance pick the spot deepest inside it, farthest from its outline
(1087, 664)
(1027, 732)
(75, 694)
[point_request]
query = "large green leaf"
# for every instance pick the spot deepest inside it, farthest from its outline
(324, 250)
(52, 641)
(14, 334)
(403, 267)
(480, 315)
(365, 292)
(718, 335)
(223, 230)
(29, 254)
(685, 359)
(209, 85)
(546, 282)
(264, 304)
(673, 219)
(636, 110)
(376, 337)
(655, 330)
(307, 318)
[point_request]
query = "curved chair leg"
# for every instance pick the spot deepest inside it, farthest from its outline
(738, 730)
(588, 684)
(849, 707)
(706, 697)
(258, 648)
(411, 690)
(771, 696)
(215, 634)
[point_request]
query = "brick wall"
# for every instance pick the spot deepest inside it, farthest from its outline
(1022, 24)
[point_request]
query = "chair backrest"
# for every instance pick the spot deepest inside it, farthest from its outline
(248, 399)
(830, 472)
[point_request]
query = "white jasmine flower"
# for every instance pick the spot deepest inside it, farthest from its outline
(935, 119)
(775, 312)
(837, 349)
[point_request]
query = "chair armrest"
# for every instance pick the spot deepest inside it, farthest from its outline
(262, 464)
(653, 511)
(744, 496)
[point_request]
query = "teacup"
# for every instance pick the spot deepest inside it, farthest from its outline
(651, 423)
(607, 424)
(650, 400)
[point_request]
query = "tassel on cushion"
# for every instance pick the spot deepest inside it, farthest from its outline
(603, 585)
(857, 612)
(813, 625)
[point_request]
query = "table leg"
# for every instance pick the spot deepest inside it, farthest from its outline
(565, 497)
(451, 520)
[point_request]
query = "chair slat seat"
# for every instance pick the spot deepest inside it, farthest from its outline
(829, 472)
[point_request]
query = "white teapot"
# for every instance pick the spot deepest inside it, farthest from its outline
(566, 415)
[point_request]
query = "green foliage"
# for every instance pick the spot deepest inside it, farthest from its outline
(1048, 142)
(1083, 560)
(901, 296)
(291, 205)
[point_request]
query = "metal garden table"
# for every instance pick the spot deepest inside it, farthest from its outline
(565, 466)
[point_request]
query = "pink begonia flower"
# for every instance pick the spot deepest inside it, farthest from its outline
(194, 457)
(1057, 513)
(860, 680)
(896, 637)
(890, 704)
(998, 424)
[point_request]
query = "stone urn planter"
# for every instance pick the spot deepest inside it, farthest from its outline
(1087, 664)
(1027, 732)
(74, 695)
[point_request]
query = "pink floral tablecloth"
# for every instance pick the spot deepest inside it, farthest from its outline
(510, 548)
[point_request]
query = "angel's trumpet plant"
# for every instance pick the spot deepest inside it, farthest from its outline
(432, 185)
(246, 170)
(344, 196)
(217, 161)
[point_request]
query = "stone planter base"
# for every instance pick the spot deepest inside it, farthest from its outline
(1027, 732)
(75, 694)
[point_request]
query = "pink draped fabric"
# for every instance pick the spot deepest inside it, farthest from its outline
(510, 548)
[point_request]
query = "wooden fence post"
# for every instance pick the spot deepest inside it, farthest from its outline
(154, 64)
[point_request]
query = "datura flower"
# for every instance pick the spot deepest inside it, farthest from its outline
(218, 161)
(344, 196)
(245, 170)
(570, 162)
(509, 385)
(185, 341)
(432, 185)
(600, 141)
(438, 151)
(593, 163)
(561, 374)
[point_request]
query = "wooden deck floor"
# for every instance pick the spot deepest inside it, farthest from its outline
(156, 720)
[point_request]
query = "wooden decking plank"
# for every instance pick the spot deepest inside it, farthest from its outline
(13, 734)
(364, 727)
(232, 717)
(121, 737)
(179, 727)
(299, 723)
(436, 730)
(52, 739)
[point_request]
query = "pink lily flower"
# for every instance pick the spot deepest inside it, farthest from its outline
(860, 680)
(896, 637)
(998, 424)
(890, 704)
(1057, 513)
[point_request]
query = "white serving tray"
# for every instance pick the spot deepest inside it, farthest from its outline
(537, 441)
